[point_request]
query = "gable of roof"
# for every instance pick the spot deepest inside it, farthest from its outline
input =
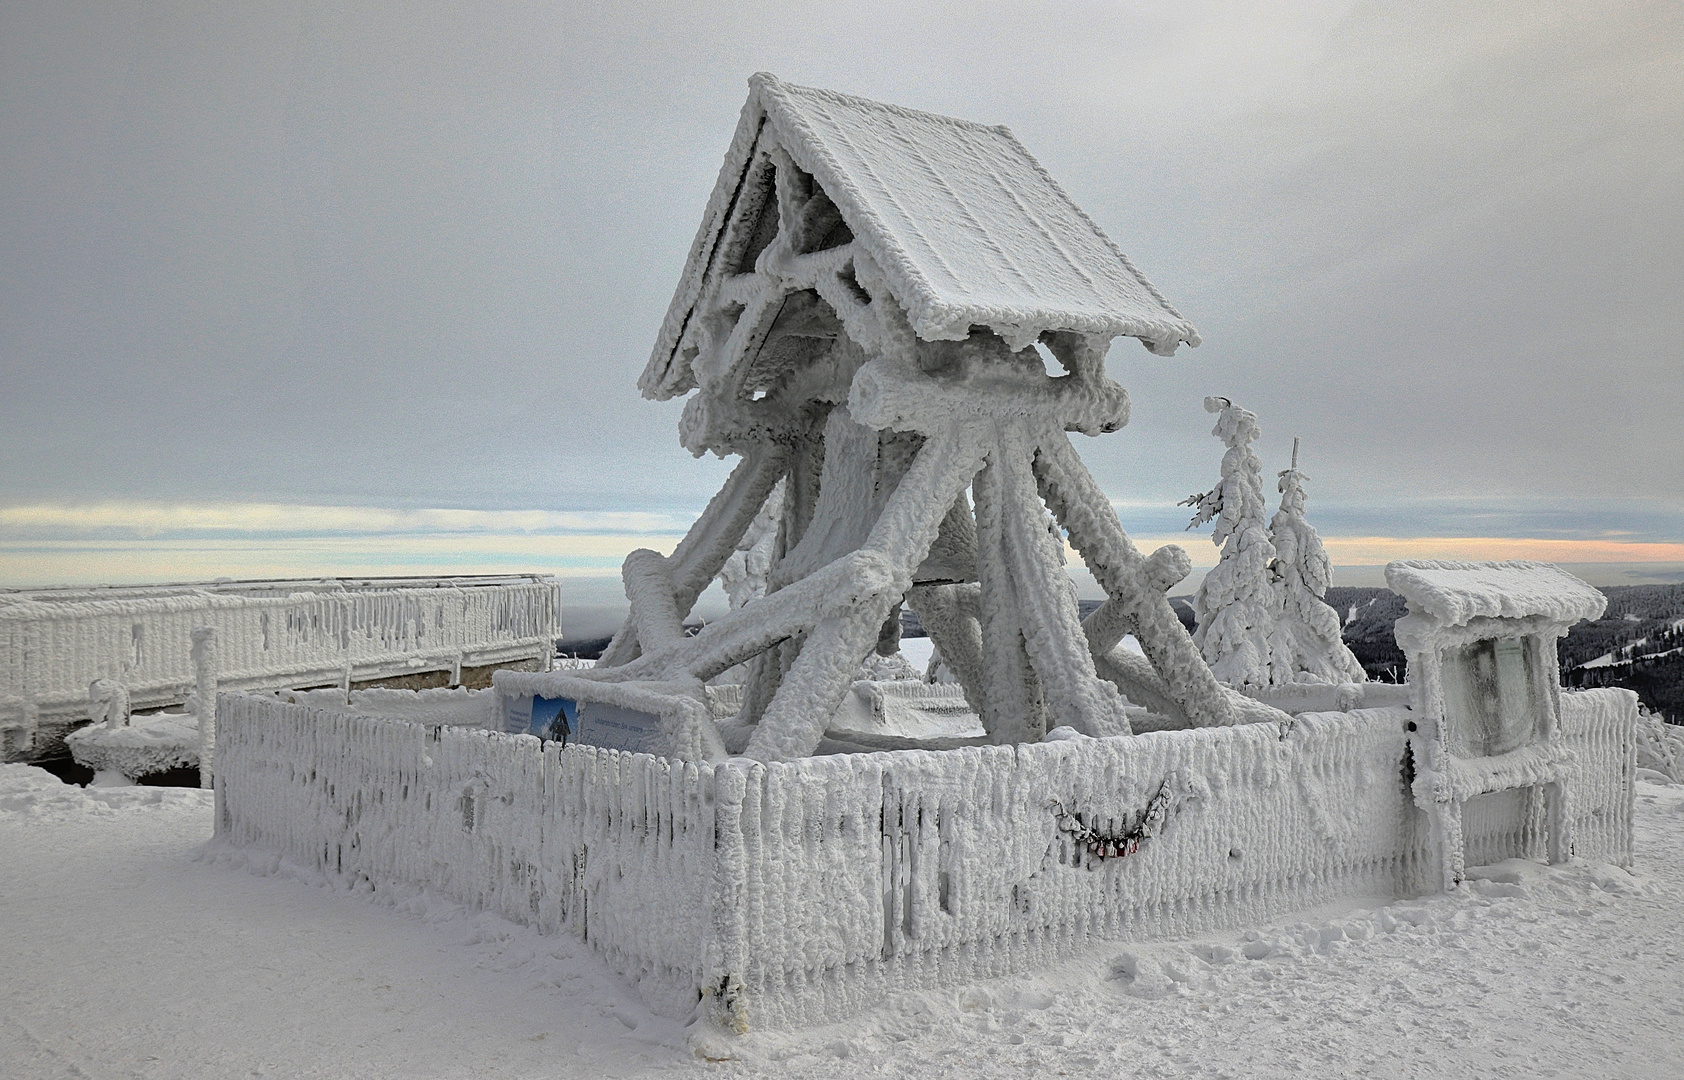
(967, 227)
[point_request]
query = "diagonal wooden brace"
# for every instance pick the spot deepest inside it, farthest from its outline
(1129, 580)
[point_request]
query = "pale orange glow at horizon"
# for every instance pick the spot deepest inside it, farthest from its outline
(1379, 550)
(1376, 550)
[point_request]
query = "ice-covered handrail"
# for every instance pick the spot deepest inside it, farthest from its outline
(54, 643)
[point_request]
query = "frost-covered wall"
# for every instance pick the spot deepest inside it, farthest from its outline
(54, 644)
(792, 892)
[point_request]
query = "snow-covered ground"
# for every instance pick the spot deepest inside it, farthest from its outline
(130, 952)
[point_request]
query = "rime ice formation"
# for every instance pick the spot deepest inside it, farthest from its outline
(857, 324)
(55, 642)
(1307, 642)
(1237, 603)
(767, 894)
(1481, 643)
(857, 321)
(745, 573)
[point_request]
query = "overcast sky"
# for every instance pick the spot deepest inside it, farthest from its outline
(380, 258)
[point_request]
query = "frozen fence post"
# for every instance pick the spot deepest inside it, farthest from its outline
(109, 703)
(204, 672)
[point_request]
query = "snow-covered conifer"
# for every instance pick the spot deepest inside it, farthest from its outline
(1307, 636)
(1236, 606)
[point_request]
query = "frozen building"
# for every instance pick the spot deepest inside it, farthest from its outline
(861, 321)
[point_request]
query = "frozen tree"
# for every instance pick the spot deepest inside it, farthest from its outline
(1238, 603)
(1307, 635)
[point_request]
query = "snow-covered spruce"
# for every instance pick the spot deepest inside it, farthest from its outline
(1307, 644)
(1237, 602)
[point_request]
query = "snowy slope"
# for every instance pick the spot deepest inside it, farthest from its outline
(128, 955)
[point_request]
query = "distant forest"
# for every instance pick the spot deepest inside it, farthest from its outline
(1638, 643)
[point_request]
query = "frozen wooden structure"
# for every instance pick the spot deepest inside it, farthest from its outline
(798, 892)
(1480, 638)
(66, 652)
(860, 316)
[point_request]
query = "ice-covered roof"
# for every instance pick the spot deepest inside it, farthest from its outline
(967, 227)
(1456, 592)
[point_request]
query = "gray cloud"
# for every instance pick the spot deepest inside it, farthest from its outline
(415, 254)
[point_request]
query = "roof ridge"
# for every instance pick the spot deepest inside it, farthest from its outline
(766, 79)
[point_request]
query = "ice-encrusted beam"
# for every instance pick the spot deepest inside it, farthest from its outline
(654, 608)
(951, 615)
(795, 721)
(710, 541)
(1048, 613)
(1013, 709)
(1128, 578)
(857, 582)
(843, 514)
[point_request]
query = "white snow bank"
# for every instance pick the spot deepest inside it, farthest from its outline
(33, 794)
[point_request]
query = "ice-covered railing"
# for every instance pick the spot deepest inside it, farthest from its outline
(55, 643)
(793, 892)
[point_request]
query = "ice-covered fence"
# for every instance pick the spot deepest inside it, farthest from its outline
(618, 849)
(54, 643)
(791, 892)
(1600, 728)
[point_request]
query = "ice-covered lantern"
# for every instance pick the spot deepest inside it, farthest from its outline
(862, 316)
(1481, 643)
